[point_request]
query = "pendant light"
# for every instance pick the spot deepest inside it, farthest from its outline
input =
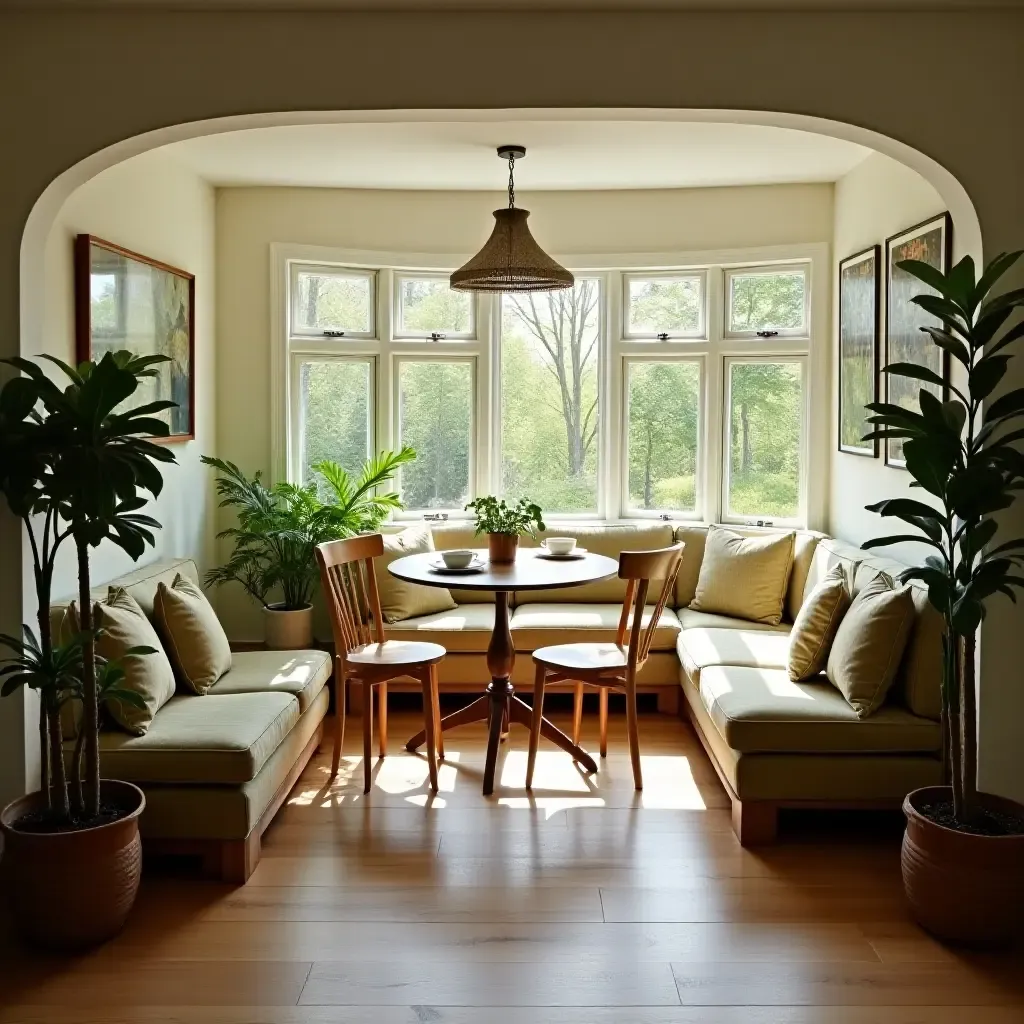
(511, 261)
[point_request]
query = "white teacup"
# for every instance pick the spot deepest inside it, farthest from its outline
(560, 545)
(457, 558)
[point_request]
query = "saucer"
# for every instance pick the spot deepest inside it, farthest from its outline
(576, 553)
(477, 565)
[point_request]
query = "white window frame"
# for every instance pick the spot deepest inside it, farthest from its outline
(330, 270)
(700, 334)
(769, 270)
(762, 519)
(681, 515)
(399, 332)
(396, 405)
(614, 348)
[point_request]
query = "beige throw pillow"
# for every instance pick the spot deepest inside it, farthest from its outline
(745, 577)
(195, 639)
(398, 599)
(124, 626)
(869, 644)
(816, 625)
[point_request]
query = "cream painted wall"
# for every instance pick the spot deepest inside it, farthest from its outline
(878, 198)
(249, 220)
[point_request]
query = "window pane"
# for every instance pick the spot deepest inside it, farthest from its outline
(334, 413)
(664, 413)
(435, 416)
(334, 302)
(765, 423)
(666, 305)
(427, 304)
(549, 407)
(767, 301)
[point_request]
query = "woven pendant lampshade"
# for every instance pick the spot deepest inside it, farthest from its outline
(511, 260)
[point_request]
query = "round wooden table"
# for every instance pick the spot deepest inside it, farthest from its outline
(499, 703)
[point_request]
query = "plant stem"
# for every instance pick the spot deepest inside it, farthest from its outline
(952, 684)
(44, 756)
(60, 785)
(90, 703)
(969, 728)
(77, 797)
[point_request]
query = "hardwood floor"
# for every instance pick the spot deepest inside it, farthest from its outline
(585, 902)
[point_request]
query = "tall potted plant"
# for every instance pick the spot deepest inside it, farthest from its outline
(504, 524)
(963, 852)
(74, 466)
(279, 528)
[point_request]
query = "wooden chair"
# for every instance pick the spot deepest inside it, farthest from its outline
(609, 666)
(364, 655)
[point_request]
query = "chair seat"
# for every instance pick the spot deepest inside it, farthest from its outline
(396, 652)
(582, 657)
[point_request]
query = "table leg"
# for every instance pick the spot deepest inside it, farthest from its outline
(522, 713)
(478, 711)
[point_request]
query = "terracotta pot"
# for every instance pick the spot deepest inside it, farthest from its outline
(502, 547)
(963, 888)
(288, 629)
(73, 890)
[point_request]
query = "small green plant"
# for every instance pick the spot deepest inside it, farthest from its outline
(963, 452)
(494, 516)
(279, 527)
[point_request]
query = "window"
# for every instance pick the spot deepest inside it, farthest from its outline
(333, 302)
(435, 416)
(665, 304)
(663, 408)
(764, 458)
(771, 299)
(334, 413)
(550, 350)
(426, 305)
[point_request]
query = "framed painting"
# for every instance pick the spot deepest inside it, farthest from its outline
(127, 301)
(930, 242)
(859, 286)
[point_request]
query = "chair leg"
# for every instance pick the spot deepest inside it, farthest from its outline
(603, 719)
(634, 734)
(429, 724)
(435, 702)
(382, 719)
(340, 694)
(367, 733)
(577, 712)
(535, 722)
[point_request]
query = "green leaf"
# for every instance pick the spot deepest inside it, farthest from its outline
(916, 372)
(954, 346)
(987, 374)
(902, 538)
(1010, 404)
(997, 267)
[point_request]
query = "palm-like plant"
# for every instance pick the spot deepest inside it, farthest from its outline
(962, 452)
(279, 527)
(73, 466)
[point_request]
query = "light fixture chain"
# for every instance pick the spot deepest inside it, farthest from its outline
(511, 181)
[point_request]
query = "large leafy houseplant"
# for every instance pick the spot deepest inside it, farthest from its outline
(964, 453)
(279, 527)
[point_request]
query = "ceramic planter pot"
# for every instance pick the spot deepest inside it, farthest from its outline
(72, 890)
(963, 888)
(502, 547)
(288, 629)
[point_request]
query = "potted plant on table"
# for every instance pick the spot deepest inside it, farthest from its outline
(504, 524)
(73, 465)
(963, 852)
(279, 528)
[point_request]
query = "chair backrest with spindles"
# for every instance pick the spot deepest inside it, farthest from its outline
(638, 568)
(350, 586)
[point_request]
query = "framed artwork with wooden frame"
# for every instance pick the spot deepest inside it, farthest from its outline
(124, 300)
(859, 287)
(931, 242)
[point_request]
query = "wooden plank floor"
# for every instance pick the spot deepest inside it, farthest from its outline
(583, 902)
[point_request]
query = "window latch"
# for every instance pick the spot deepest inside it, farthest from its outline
(435, 517)
(665, 517)
(334, 334)
(767, 334)
(663, 336)
(437, 336)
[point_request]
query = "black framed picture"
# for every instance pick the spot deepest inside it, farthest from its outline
(859, 286)
(930, 242)
(127, 301)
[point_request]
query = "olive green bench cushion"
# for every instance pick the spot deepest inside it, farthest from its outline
(748, 648)
(759, 710)
(299, 673)
(539, 625)
(203, 740)
(691, 619)
(466, 628)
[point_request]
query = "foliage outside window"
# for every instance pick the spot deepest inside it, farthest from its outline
(427, 305)
(549, 397)
(765, 440)
(767, 300)
(665, 304)
(663, 423)
(435, 418)
(333, 301)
